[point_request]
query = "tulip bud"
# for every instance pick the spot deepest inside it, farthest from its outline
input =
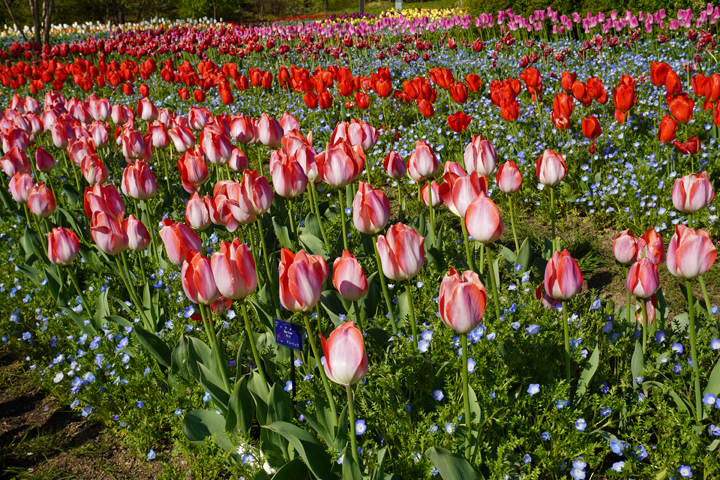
(63, 246)
(462, 300)
(107, 232)
(402, 252)
(43, 160)
(233, 268)
(196, 212)
(436, 198)
(197, 279)
(482, 220)
(423, 163)
(138, 181)
(480, 156)
(643, 280)
(509, 178)
(301, 279)
(550, 168)
(371, 210)
(137, 233)
(625, 247)
(691, 252)
(41, 201)
(178, 240)
(255, 193)
(346, 361)
(651, 245)
(692, 193)
(20, 185)
(563, 278)
(349, 277)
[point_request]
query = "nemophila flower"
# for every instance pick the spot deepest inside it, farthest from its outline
(714, 430)
(580, 424)
(715, 344)
(578, 470)
(206, 397)
(677, 348)
(533, 329)
(151, 455)
(450, 428)
(527, 458)
(676, 368)
(423, 346)
(471, 365)
(533, 388)
(433, 429)
(407, 408)
(560, 404)
(709, 399)
(434, 471)
(288, 386)
(640, 452)
(685, 471)
(618, 466)
(438, 395)
(660, 336)
(178, 411)
(360, 427)
(545, 436)
(617, 446)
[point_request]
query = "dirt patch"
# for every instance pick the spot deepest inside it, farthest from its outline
(40, 438)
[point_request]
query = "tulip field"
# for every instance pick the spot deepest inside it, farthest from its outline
(410, 245)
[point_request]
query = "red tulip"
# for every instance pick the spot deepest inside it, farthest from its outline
(216, 147)
(394, 165)
(668, 127)
(269, 131)
(363, 134)
(426, 108)
(119, 115)
(43, 160)
(651, 245)
(692, 193)
(137, 234)
(63, 246)
(178, 240)
(94, 170)
(138, 181)
(107, 232)
(61, 134)
(234, 270)
(196, 212)
(15, 161)
(349, 278)
(681, 107)
(658, 73)
(458, 122)
(509, 109)
(99, 109)
(99, 134)
(591, 127)
(193, 170)
(436, 198)
(133, 144)
(462, 191)
(546, 300)
(691, 252)
(371, 210)
(422, 163)
(242, 129)
(643, 280)
(41, 201)
(255, 193)
(454, 168)
(480, 156)
(103, 198)
(567, 80)
(20, 185)
(197, 279)
(509, 178)
(301, 279)
(346, 361)
(182, 138)
(288, 176)
(625, 247)
(550, 168)
(650, 308)
(402, 252)
(482, 220)
(146, 111)
(339, 164)
(458, 92)
(462, 300)
(289, 123)
(563, 279)
(690, 147)
(15, 137)
(238, 161)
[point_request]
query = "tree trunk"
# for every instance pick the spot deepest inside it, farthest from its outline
(47, 20)
(12, 16)
(325, 6)
(362, 6)
(214, 11)
(34, 11)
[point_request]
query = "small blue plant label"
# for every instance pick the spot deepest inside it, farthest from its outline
(288, 334)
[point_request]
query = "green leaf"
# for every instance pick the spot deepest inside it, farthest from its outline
(180, 356)
(72, 194)
(637, 364)
(475, 411)
(292, 470)
(102, 309)
(713, 385)
(380, 470)
(242, 406)
(436, 257)
(313, 244)
(198, 425)
(587, 374)
(350, 469)
(259, 391)
(34, 274)
(123, 322)
(261, 475)
(524, 257)
(266, 318)
(681, 402)
(341, 430)
(281, 232)
(155, 346)
(402, 311)
(450, 466)
(681, 322)
(317, 426)
(213, 384)
(307, 446)
(80, 322)
(312, 226)
(198, 352)
(548, 249)
(380, 337)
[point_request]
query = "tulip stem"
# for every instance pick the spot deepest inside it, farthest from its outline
(314, 196)
(552, 217)
(693, 351)
(73, 278)
(351, 414)
(493, 280)
(466, 398)
(253, 249)
(291, 217)
(342, 217)
(253, 347)
(482, 258)
(400, 209)
(210, 331)
(267, 264)
(316, 354)
(72, 167)
(124, 273)
(357, 314)
(706, 297)
(466, 241)
(567, 340)
(629, 299)
(512, 224)
(142, 268)
(146, 205)
(432, 209)
(412, 314)
(644, 323)
(167, 177)
(383, 284)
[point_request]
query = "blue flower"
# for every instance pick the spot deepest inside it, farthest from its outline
(151, 455)
(715, 343)
(423, 346)
(605, 411)
(640, 452)
(677, 348)
(206, 397)
(438, 395)
(140, 403)
(408, 408)
(545, 436)
(660, 336)
(471, 365)
(709, 399)
(533, 388)
(618, 466)
(450, 428)
(532, 329)
(527, 458)
(685, 471)
(714, 430)
(360, 427)
(288, 386)
(617, 446)
(560, 404)
(604, 387)
(580, 424)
